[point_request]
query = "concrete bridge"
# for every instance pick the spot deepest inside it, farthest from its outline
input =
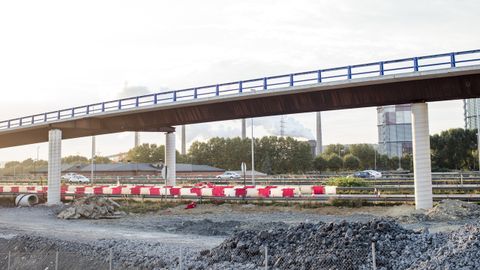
(415, 80)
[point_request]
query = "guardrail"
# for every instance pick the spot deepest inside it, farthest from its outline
(404, 65)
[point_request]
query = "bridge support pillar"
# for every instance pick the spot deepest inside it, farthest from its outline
(422, 171)
(54, 166)
(170, 156)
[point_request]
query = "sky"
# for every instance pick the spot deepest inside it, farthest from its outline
(59, 54)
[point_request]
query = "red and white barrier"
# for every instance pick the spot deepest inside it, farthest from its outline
(183, 191)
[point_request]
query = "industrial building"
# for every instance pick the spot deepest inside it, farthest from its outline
(470, 112)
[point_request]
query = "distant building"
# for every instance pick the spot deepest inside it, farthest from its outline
(470, 112)
(394, 130)
(135, 169)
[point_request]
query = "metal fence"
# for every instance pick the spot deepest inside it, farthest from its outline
(14, 260)
(261, 258)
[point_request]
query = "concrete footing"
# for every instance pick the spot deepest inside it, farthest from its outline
(54, 166)
(170, 156)
(421, 157)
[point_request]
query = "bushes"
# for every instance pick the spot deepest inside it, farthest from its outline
(346, 182)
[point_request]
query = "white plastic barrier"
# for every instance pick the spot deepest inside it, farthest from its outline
(207, 191)
(229, 192)
(89, 190)
(330, 190)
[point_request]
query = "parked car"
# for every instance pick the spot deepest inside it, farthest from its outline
(78, 179)
(228, 175)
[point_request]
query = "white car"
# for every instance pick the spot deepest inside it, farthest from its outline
(374, 174)
(78, 179)
(69, 175)
(228, 175)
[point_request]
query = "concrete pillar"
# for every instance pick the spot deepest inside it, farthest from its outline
(422, 171)
(170, 153)
(54, 166)
(184, 141)
(244, 129)
(319, 147)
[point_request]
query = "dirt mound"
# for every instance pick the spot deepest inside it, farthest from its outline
(91, 207)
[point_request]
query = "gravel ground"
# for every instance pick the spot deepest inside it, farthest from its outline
(157, 241)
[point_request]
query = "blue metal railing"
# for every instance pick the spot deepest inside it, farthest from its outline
(413, 64)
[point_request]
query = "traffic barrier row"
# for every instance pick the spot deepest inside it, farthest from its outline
(186, 191)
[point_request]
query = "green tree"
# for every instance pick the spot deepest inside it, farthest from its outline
(146, 153)
(335, 162)
(453, 149)
(338, 149)
(351, 162)
(365, 153)
(102, 160)
(75, 159)
(320, 164)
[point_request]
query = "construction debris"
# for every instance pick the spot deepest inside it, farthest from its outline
(91, 207)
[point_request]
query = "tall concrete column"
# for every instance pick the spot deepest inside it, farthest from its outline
(422, 170)
(319, 146)
(170, 158)
(184, 141)
(54, 166)
(244, 129)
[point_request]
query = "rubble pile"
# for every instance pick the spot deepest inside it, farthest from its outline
(91, 207)
(348, 246)
(446, 210)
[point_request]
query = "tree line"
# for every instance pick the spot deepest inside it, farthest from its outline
(453, 149)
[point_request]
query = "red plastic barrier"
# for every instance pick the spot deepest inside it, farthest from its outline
(175, 191)
(317, 190)
(31, 188)
(264, 192)
(288, 192)
(135, 190)
(240, 192)
(117, 190)
(98, 190)
(15, 189)
(197, 191)
(1, 189)
(80, 190)
(155, 191)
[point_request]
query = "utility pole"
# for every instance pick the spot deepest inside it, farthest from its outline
(253, 156)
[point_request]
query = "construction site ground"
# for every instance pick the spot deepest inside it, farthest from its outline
(172, 231)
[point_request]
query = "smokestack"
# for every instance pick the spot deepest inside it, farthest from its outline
(137, 139)
(319, 148)
(244, 129)
(184, 141)
(313, 145)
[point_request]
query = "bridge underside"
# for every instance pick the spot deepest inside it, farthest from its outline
(308, 98)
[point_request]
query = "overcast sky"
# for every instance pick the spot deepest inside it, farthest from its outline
(58, 54)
